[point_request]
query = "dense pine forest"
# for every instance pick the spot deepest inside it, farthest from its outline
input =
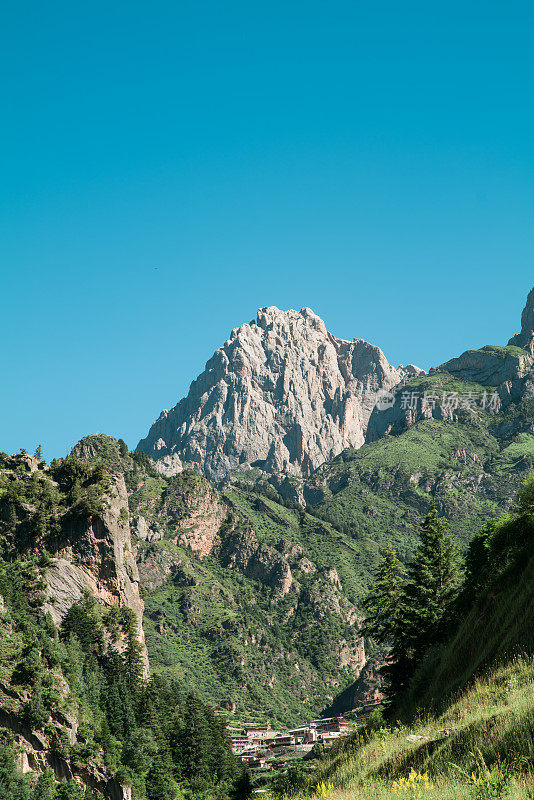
(150, 734)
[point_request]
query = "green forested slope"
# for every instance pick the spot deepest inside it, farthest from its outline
(464, 727)
(73, 696)
(263, 622)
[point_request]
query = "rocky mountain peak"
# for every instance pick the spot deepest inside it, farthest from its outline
(525, 338)
(282, 394)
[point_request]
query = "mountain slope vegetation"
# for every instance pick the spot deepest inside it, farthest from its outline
(464, 727)
(251, 603)
(76, 705)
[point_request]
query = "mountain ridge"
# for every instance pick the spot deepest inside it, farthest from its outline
(281, 393)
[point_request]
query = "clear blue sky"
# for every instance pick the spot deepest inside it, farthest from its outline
(169, 167)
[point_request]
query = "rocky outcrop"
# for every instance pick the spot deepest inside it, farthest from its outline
(484, 380)
(157, 565)
(489, 366)
(282, 394)
(241, 551)
(201, 523)
(37, 754)
(206, 525)
(525, 338)
(78, 524)
(94, 553)
(145, 532)
(362, 695)
(487, 381)
(90, 545)
(189, 512)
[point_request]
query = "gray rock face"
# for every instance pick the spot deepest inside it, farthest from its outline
(242, 551)
(526, 337)
(140, 528)
(95, 554)
(489, 366)
(282, 394)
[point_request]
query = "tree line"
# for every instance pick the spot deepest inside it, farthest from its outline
(412, 610)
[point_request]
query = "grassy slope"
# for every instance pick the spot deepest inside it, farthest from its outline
(480, 683)
(493, 719)
(470, 470)
(323, 544)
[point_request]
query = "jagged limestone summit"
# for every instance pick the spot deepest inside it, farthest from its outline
(282, 394)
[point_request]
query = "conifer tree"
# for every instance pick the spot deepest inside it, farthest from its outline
(243, 788)
(382, 604)
(70, 790)
(13, 786)
(45, 788)
(432, 581)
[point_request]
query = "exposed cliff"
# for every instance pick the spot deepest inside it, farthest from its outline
(81, 520)
(525, 338)
(249, 603)
(282, 394)
(68, 528)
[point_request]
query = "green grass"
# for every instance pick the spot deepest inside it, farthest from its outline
(428, 446)
(470, 470)
(442, 382)
(518, 454)
(503, 352)
(380, 493)
(491, 722)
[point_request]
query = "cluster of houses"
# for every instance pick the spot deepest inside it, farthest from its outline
(256, 745)
(259, 745)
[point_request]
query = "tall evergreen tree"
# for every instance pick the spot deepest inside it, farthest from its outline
(433, 578)
(45, 788)
(243, 788)
(382, 604)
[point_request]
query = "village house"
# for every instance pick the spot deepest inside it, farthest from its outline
(257, 742)
(330, 724)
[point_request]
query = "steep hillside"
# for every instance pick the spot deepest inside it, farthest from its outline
(461, 438)
(282, 394)
(495, 611)
(251, 603)
(467, 727)
(525, 338)
(78, 709)
(78, 516)
(64, 537)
